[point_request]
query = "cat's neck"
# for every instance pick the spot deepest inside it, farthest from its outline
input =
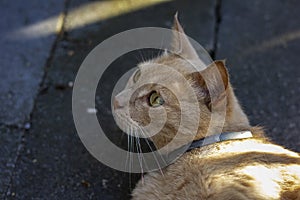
(235, 118)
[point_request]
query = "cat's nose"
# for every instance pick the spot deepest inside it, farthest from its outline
(116, 104)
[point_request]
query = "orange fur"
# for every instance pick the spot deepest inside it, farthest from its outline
(253, 168)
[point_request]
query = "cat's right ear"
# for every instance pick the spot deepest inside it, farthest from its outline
(180, 42)
(211, 83)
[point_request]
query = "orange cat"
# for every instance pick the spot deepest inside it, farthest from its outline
(236, 168)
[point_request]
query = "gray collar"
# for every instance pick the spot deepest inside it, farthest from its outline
(207, 141)
(219, 138)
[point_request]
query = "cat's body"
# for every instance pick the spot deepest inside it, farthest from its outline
(232, 170)
(240, 169)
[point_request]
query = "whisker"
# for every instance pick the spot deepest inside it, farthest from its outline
(142, 56)
(130, 156)
(141, 158)
(139, 150)
(156, 160)
(127, 154)
(133, 129)
(121, 138)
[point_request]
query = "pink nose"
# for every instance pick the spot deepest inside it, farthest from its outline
(116, 104)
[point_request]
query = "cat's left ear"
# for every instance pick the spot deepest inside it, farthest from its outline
(180, 42)
(211, 83)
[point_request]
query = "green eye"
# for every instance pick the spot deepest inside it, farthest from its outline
(156, 100)
(136, 76)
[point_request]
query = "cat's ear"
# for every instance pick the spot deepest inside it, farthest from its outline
(211, 83)
(180, 42)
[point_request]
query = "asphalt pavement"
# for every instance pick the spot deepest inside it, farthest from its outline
(43, 44)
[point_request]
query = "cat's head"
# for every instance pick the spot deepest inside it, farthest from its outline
(156, 95)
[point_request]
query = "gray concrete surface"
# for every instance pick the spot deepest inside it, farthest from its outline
(25, 47)
(260, 40)
(9, 140)
(23, 58)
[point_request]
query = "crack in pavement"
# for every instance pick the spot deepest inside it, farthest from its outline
(218, 19)
(59, 34)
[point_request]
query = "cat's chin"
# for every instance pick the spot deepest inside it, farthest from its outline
(125, 124)
(120, 121)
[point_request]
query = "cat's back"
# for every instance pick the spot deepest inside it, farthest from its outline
(244, 169)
